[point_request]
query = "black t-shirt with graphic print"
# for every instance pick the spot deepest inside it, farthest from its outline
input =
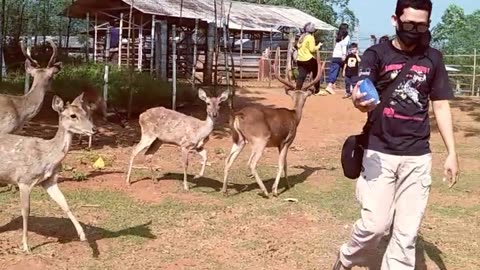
(351, 65)
(403, 126)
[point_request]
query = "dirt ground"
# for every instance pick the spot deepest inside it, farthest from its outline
(157, 225)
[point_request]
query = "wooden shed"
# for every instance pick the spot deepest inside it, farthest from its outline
(156, 24)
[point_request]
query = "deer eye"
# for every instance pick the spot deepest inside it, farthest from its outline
(73, 116)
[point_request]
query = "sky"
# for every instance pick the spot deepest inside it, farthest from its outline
(374, 16)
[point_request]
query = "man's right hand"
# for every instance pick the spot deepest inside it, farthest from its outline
(359, 103)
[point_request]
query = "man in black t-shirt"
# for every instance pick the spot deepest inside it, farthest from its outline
(350, 69)
(394, 185)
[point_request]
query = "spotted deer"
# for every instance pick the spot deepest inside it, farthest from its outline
(30, 161)
(264, 127)
(15, 111)
(164, 126)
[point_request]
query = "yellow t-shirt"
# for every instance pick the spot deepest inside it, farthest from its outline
(307, 48)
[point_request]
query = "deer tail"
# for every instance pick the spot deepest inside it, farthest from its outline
(236, 131)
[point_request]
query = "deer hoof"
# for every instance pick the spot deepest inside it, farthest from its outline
(26, 249)
(275, 194)
(197, 176)
(82, 237)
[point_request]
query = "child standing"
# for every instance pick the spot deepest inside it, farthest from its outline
(350, 69)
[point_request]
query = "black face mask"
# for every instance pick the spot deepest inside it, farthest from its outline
(413, 38)
(409, 38)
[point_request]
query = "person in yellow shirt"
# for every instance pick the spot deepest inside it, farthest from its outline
(306, 61)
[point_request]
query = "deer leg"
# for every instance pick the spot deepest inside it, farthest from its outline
(56, 194)
(250, 175)
(236, 149)
(25, 205)
(203, 154)
(281, 167)
(257, 149)
(144, 143)
(185, 153)
(285, 166)
(149, 154)
(90, 141)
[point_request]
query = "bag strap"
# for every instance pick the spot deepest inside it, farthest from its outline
(385, 96)
(393, 85)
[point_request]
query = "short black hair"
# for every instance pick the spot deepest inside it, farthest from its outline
(384, 38)
(353, 45)
(415, 4)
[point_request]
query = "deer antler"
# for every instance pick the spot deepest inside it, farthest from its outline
(29, 58)
(54, 53)
(320, 67)
(289, 85)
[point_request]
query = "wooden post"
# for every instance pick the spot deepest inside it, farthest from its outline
(158, 45)
(87, 44)
(129, 36)
(174, 66)
(269, 59)
(474, 70)
(140, 46)
(288, 68)
(27, 76)
(194, 64)
(107, 66)
(225, 56)
(95, 29)
(152, 44)
(163, 51)
(120, 33)
(207, 75)
(278, 59)
(241, 52)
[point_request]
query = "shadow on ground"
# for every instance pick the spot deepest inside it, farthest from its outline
(64, 231)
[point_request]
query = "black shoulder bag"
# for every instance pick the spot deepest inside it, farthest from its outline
(354, 145)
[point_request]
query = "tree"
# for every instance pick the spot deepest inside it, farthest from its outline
(457, 33)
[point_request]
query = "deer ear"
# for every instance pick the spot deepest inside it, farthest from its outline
(224, 96)
(56, 68)
(78, 101)
(57, 104)
(202, 95)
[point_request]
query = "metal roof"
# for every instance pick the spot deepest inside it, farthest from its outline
(253, 17)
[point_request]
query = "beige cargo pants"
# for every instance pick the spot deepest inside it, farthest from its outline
(390, 186)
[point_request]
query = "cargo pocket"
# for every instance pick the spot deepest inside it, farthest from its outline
(426, 184)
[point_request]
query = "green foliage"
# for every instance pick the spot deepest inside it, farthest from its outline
(147, 92)
(457, 33)
(38, 17)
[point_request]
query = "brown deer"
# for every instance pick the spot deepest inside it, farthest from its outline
(15, 111)
(30, 161)
(269, 127)
(160, 125)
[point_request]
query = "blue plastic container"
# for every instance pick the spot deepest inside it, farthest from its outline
(367, 87)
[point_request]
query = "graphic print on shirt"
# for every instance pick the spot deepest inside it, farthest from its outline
(406, 93)
(407, 90)
(352, 62)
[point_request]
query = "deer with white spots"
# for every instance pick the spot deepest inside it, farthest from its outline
(30, 161)
(164, 126)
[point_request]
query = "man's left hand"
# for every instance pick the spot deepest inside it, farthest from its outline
(451, 170)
